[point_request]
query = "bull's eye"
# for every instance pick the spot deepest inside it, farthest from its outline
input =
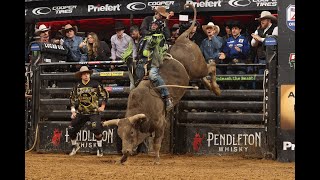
(132, 133)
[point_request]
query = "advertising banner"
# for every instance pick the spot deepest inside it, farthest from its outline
(103, 8)
(54, 137)
(286, 144)
(286, 82)
(44, 10)
(233, 5)
(213, 140)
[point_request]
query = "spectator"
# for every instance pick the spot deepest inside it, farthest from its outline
(95, 49)
(236, 50)
(211, 46)
(174, 31)
(159, 13)
(72, 42)
(121, 42)
(267, 27)
(43, 33)
(196, 36)
(57, 38)
(227, 28)
(135, 35)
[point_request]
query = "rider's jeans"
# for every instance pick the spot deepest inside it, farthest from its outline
(158, 81)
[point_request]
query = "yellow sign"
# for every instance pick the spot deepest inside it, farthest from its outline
(287, 107)
(113, 73)
(117, 73)
(105, 74)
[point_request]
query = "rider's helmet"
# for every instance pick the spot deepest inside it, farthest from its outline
(160, 27)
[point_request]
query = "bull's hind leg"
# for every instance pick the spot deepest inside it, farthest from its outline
(212, 84)
(157, 144)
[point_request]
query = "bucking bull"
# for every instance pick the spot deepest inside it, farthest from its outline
(146, 112)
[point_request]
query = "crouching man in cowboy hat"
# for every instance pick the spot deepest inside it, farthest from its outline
(84, 100)
(267, 27)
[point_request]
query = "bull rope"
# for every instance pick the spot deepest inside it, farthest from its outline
(185, 87)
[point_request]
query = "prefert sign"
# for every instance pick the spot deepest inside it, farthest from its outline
(288, 145)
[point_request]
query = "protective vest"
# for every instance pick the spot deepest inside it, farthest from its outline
(155, 48)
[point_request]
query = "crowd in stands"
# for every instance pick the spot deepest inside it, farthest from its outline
(234, 47)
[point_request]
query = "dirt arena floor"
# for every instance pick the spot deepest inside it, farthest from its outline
(86, 167)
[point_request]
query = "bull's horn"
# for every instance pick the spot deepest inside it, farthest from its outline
(136, 117)
(111, 122)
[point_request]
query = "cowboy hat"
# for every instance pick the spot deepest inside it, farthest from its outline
(236, 24)
(119, 26)
(42, 28)
(162, 11)
(69, 26)
(82, 70)
(266, 15)
(211, 25)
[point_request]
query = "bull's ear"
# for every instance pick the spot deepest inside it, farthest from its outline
(144, 125)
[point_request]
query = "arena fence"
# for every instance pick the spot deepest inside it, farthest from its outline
(239, 121)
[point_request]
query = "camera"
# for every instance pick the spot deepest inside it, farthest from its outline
(85, 40)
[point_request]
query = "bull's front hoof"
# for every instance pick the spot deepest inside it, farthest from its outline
(123, 159)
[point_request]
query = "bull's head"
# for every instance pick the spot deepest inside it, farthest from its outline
(132, 130)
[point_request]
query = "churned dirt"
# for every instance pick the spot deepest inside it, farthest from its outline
(87, 167)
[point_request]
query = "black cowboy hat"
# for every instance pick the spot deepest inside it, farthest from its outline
(67, 27)
(236, 24)
(119, 26)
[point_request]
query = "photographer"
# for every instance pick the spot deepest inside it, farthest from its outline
(159, 14)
